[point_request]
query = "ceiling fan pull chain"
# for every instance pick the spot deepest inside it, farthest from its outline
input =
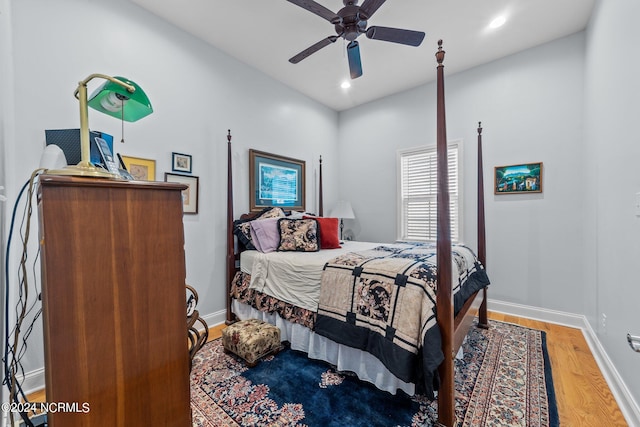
(122, 121)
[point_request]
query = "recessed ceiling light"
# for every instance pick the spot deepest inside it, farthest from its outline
(345, 84)
(498, 22)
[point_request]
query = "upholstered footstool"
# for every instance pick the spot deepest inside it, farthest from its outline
(251, 339)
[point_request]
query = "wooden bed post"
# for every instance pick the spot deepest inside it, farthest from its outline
(444, 304)
(482, 245)
(320, 201)
(231, 259)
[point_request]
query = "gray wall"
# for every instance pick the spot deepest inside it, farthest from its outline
(530, 105)
(5, 99)
(197, 93)
(570, 104)
(567, 103)
(613, 147)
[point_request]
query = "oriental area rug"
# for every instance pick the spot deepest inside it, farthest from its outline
(504, 379)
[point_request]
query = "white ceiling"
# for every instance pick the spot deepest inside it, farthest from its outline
(266, 33)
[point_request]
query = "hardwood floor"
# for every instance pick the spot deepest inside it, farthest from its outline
(582, 394)
(215, 332)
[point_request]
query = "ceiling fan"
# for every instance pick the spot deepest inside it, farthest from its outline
(350, 22)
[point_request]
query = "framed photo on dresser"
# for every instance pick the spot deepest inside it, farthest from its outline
(141, 169)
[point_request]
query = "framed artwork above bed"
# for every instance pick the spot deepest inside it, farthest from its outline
(523, 178)
(276, 181)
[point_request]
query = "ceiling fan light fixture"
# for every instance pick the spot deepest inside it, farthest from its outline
(498, 22)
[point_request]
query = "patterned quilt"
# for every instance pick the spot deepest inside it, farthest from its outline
(383, 301)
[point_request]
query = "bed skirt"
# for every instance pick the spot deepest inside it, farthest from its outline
(344, 358)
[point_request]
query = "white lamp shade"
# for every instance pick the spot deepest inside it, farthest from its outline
(342, 209)
(52, 157)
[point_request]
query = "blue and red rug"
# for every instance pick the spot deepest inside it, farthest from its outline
(504, 379)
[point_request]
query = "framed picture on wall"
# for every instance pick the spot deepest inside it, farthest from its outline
(181, 162)
(190, 195)
(514, 179)
(276, 181)
(140, 169)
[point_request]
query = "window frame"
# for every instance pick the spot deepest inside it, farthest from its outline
(401, 216)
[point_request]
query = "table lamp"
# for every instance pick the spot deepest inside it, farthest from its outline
(342, 210)
(118, 97)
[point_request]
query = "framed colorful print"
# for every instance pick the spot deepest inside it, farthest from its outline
(276, 181)
(180, 162)
(190, 195)
(140, 169)
(514, 179)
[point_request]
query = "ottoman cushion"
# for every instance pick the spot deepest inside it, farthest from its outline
(251, 339)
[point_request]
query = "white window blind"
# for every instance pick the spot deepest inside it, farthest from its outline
(418, 192)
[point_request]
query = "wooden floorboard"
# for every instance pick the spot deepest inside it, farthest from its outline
(582, 394)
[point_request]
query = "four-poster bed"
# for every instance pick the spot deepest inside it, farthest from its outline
(298, 320)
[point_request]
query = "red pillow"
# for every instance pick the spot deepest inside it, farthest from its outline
(328, 230)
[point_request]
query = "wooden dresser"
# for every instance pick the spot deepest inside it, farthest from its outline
(113, 295)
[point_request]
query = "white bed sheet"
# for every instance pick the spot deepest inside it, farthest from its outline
(367, 367)
(295, 277)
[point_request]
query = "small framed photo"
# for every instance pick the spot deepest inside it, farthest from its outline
(514, 179)
(181, 162)
(190, 195)
(140, 169)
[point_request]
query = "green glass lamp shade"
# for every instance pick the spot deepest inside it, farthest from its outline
(118, 102)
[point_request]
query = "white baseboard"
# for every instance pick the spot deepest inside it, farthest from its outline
(32, 381)
(621, 393)
(216, 318)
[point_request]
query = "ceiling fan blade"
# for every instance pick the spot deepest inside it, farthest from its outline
(355, 62)
(369, 7)
(313, 49)
(318, 9)
(396, 35)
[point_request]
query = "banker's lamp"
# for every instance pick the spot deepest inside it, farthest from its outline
(118, 97)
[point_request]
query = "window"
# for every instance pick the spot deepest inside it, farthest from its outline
(417, 208)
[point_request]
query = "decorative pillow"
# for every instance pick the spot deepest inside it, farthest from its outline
(329, 234)
(298, 235)
(242, 230)
(242, 227)
(265, 234)
(299, 215)
(271, 213)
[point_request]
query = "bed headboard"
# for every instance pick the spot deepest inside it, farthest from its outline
(233, 248)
